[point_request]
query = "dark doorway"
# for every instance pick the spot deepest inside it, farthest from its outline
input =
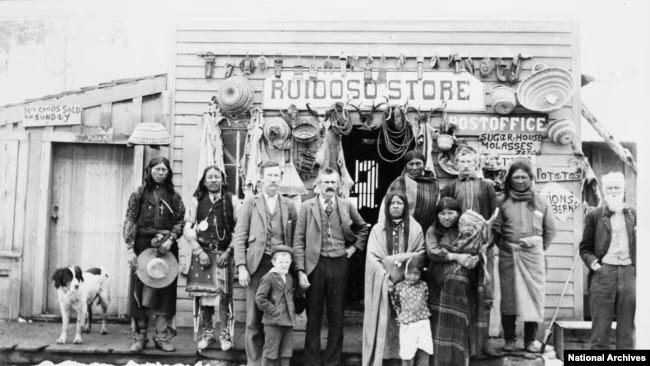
(372, 177)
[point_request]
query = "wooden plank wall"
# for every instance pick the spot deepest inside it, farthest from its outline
(300, 43)
(121, 105)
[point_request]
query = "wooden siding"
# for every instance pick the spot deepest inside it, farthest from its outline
(121, 105)
(554, 43)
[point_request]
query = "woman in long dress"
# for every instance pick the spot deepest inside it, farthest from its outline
(391, 243)
(455, 281)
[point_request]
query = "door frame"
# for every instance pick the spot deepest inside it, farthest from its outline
(12, 259)
(39, 300)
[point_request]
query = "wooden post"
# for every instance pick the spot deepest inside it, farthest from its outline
(618, 149)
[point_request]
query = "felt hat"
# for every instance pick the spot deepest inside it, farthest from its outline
(235, 96)
(281, 249)
(149, 133)
(276, 132)
(156, 271)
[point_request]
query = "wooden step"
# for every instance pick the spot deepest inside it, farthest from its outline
(574, 335)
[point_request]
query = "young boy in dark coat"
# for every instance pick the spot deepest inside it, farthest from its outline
(275, 298)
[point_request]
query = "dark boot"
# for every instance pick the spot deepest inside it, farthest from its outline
(140, 342)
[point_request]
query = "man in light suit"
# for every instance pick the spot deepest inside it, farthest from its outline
(328, 232)
(263, 222)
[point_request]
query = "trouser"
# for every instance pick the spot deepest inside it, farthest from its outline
(161, 327)
(207, 324)
(508, 324)
(254, 335)
(612, 293)
(278, 345)
(328, 282)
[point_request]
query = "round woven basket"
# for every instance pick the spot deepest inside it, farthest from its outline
(235, 96)
(149, 133)
(503, 99)
(546, 90)
(446, 163)
(561, 131)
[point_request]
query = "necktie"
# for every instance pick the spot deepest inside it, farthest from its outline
(329, 207)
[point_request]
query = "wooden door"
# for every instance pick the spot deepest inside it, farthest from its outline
(90, 188)
(13, 178)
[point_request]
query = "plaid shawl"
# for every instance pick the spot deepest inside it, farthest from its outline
(428, 191)
(458, 321)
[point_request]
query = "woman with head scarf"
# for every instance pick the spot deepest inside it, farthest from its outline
(420, 187)
(154, 219)
(456, 281)
(525, 228)
(391, 243)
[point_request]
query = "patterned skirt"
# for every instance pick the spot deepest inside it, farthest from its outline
(210, 281)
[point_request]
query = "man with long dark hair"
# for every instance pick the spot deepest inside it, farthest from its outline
(525, 228)
(264, 221)
(209, 226)
(154, 219)
(328, 233)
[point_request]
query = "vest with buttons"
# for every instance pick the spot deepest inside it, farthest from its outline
(274, 230)
(332, 240)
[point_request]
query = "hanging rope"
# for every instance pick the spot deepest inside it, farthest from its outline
(397, 141)
(340, 119)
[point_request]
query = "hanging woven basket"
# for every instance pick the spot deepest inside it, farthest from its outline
(235, 96)
(561, 131)
(503, 99)
(149, 133)
(547, 89)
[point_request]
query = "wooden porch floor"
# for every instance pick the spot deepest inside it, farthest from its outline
(31, 343)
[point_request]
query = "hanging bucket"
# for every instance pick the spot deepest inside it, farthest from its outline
(561, 131)
(445, 142)
(504, 99)
(546, 89)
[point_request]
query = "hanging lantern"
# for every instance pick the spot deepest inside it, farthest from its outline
(454, 62)
(367, 72)
(502, 70)
(420, 67)
(277, 65)
(313, 70)
(381, 75)
(297, 71)
(343, 63)
(209, 59)
(262, 62)
(247, 65)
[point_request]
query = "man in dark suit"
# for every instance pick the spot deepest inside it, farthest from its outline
(608, 248)
(329, 231)
(263, 222)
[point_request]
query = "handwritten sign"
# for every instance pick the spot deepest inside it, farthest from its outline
(563, 202)
(51, 115)
(558, 174)
(462, 91)
(510, 143)
(473, 124)
(504, 160)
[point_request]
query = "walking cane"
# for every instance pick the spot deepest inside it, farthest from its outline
(549, 330)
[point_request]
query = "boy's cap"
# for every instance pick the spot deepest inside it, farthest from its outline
(280, 249)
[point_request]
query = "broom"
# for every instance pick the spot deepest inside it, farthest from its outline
(549, 330)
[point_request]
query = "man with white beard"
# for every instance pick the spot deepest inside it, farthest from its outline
(608, 248)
